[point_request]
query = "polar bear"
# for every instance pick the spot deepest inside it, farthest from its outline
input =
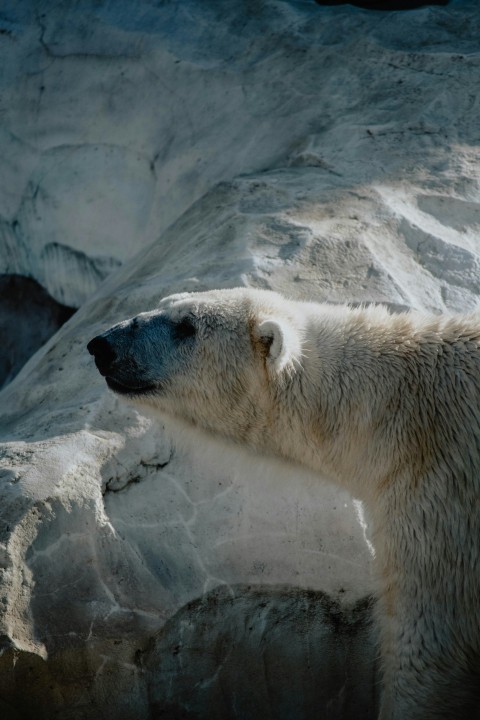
(387, 406)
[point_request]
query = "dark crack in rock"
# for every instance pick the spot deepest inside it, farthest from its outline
(28, 317)
(115, 484)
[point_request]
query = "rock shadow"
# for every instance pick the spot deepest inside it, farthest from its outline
(29, 316)
(262, 652)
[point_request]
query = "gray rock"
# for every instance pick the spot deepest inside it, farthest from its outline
(28, 318)
(264, 652)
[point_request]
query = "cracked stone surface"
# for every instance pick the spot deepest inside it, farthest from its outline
(328, 153)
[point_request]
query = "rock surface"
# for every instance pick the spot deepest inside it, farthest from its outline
(28, 318)
(114, 121)
(131, 556)
(264, 651)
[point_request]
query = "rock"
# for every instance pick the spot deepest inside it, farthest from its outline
(114, 122)
(28, 317)
(264, 651)
(391, 5)
(117, 532)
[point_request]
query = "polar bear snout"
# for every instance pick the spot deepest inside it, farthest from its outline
(137, 356)
(103, 352)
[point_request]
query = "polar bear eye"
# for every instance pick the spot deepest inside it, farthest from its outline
(184, 329)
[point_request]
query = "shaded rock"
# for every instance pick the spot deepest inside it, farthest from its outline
(85, 272)
(260, 652)
(64, 688)
(28, 318)
(384, 4)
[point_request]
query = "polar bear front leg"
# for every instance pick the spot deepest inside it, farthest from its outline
(427, 677)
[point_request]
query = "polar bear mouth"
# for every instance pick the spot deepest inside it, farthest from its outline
(123, 389)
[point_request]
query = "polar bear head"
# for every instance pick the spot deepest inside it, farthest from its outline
(215, 359)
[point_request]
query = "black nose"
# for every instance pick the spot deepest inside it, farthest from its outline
(103, 353)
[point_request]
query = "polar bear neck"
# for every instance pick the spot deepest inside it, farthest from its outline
(377, 394)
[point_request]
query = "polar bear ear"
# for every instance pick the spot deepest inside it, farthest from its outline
(280, 340)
